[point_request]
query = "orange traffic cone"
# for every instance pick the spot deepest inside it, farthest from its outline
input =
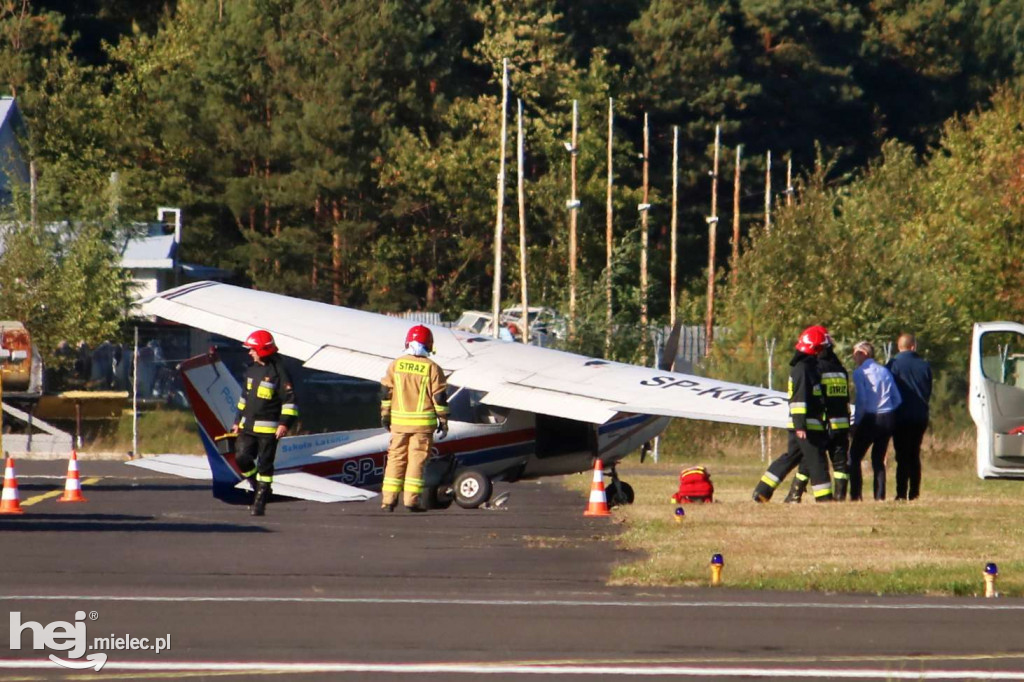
(9, 503)
(72, 486)
(598, 501)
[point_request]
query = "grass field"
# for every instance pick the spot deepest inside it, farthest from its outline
(160, 431)
(936, 545)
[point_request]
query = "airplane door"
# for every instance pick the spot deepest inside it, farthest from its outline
(996, 398)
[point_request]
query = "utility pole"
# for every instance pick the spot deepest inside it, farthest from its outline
(736, 220)
(645, 209)
(709, 324)
(768, 194)
(522, 231)
(674, 258)
(135, 397)
(574, 206)
(789, 180)
(33, 194)
(608, 237)
(499, 224)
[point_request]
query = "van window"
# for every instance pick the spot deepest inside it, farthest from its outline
(1002, 358)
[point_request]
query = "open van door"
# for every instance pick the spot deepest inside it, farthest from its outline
(996, 398)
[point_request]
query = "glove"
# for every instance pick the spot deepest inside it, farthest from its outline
(385, 421)
(442, 429)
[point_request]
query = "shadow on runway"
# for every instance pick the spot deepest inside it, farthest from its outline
(24, 489)
(115, 522)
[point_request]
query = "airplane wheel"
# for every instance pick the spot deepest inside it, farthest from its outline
(619, 492)
(472, 489)
(437, 497)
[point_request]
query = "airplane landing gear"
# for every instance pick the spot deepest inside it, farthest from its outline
(472, 489)
(618, 492)
(437, 497)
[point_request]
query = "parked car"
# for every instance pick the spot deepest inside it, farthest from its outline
(477, 322)
(546, 324)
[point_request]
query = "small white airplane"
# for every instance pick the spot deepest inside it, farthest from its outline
(517, 411)
(996, 398)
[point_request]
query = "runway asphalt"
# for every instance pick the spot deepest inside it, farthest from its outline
(314, 591)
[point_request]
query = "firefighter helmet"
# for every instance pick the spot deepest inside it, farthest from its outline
(262, 342)
(422, 335)
(812, 340)
(824, 330)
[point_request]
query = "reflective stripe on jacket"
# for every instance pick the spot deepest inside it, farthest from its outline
(413, 395)
(267, 399)
(835, 384)
(806, 406)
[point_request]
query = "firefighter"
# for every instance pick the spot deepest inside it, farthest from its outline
(806, 425)
(266, 410)
(413, 406)
(835, 385)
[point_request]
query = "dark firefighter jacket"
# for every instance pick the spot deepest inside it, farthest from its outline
(806, 407)
(267, 399)
(835, 386)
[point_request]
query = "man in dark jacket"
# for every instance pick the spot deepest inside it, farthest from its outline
(913, 377)
(266, 410)
(806, 425)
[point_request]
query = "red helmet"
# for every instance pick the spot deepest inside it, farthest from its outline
(828, 337)
(262, 342)
(812, 340)
(421, 334)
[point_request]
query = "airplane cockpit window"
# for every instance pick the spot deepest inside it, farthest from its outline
(1003, 358)
(464, 406)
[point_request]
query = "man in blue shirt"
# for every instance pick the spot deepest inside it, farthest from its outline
(913, 376)
(873, 419)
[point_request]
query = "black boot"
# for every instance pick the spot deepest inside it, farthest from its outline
(796, 491)
(259, 504)
(763, 492)
(839, 489)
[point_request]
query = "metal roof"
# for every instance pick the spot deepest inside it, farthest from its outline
(156, 253)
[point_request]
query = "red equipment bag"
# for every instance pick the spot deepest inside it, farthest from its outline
(694, 486)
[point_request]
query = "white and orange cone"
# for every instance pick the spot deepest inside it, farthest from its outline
(72, 486)
(9, 503)
(598, 505)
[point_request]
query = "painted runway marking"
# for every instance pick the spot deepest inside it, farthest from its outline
(54, 493)
(513, 669)
(568, 603)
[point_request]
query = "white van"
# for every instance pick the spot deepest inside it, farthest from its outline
(996, 398)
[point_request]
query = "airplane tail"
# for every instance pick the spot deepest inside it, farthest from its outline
(213, 394)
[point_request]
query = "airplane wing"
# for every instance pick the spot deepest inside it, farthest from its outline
(315, 488)
(296, 484)
(362, 344)
(186, 466)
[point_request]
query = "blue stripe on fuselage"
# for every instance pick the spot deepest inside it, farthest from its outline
(488, 455)
(223, 474)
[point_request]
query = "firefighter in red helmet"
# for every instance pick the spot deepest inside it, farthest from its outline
(413, 406)
(807, 437)
(266, 410)
(835, 386)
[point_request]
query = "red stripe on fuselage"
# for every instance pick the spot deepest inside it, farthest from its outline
(333, 467)
(205, 417)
